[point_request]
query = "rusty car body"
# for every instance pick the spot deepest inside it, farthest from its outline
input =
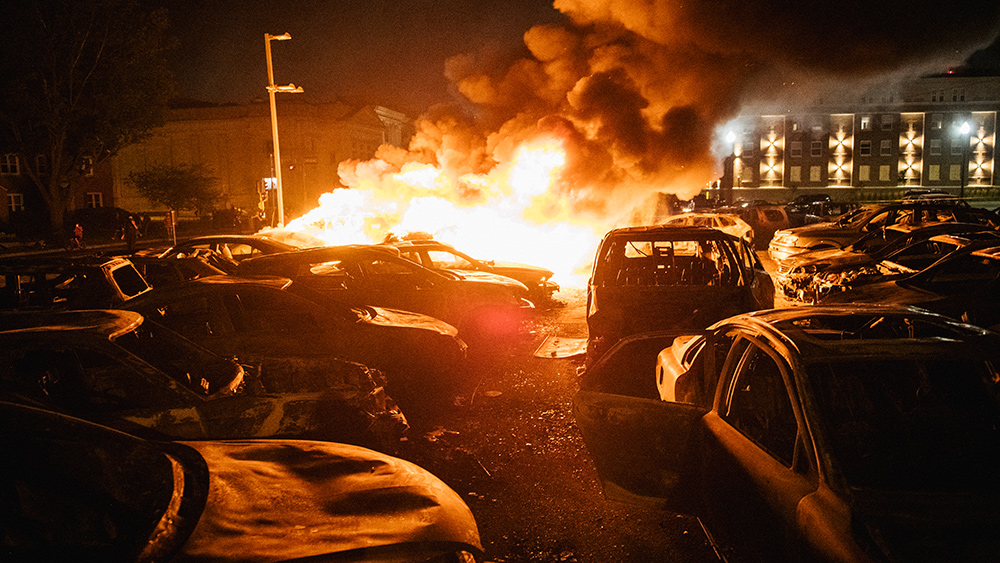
(659, 277)
(376, 275)
(271, 318)
(113, 368)
(75, 490)
(818, 434)
(894, 251)
(49, 282)
(964, 285)
(852, 226)
(424, 250)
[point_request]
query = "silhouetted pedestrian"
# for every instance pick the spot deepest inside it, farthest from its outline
(77, 241)
(130, 234)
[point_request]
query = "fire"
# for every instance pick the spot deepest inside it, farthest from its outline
(510, 213)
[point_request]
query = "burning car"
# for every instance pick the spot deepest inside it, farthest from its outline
(812, 433)
(725, 222)
(435, 255)
(809, 277)
(271, 318)
(376, 275)
(113, 368)
(854, 225)
(669, 277)
(964, 285)
(74, 489)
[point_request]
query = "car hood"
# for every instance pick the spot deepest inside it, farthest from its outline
(814, 230)
(889, 292)
(520, 271)
(484, 278)
(952, 526)
(834, 257)
(406, 319)
(300, 499)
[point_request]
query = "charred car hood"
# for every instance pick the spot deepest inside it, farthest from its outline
(406, 319)
(952, 526)
(834, 257)
(299, 499)
(890, 292)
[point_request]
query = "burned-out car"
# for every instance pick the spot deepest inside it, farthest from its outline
(113, 368)
(63, 282)
(159, 272)
(266, 317)
(964, 285)
(424, 250)
(895, 251)
(812, 433)
(670, 277)
(234, 248)
(725, 222)
(74, 490)
(376, 275)
(852, 226)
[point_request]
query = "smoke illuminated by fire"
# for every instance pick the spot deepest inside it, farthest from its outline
(549, 149)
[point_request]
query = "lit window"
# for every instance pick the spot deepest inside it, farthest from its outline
(937, 121)
(865, 149)
(95, 199)
(796, 173)
(955, 172)
(885, 147)
(866, 123)
(816, 148)
(934, 172)
(9, 164)
(883, 173)
(796, 149)
(864, 173)
(15, 202)
(815, 173)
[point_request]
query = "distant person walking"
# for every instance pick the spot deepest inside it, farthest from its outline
(77, 240)
(130, 234)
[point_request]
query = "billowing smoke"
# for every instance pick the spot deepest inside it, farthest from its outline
(632, 91)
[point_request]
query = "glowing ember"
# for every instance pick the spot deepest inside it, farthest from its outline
(502, 222)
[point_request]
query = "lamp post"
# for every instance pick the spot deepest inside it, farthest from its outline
(271, 89)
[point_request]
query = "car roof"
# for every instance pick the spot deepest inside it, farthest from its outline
(813, 331)
(105, 323)
(670, 232)
(49, 263)
(193, 285)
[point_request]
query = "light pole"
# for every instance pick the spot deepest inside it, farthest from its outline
(271, 89)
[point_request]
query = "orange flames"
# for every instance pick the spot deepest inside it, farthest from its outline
(511, 215)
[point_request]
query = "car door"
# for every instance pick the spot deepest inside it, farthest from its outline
(759, 281)
(756, 461)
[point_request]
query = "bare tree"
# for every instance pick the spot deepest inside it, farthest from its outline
(78, 81)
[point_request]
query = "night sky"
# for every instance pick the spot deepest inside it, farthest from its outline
(390, 50)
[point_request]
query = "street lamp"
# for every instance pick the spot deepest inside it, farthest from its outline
(963, 130)
(271, 89)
